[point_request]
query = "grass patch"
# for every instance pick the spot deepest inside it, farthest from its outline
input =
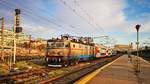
(4, 69)
(22, 65)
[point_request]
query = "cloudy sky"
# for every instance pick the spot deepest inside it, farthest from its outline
(50, 18)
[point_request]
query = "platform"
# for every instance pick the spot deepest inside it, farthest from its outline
(120, 71)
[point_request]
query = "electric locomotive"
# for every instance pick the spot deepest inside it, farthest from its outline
(66, 51)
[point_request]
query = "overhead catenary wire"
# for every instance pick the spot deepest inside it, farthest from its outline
(46, 21)
(73, 28)
(77, 14)
(96, 26)
(28, 13)
(88, 15)
(66, 26)
(111, 40)
(37, 16)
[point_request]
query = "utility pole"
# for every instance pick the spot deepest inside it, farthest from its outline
(14, 49)
(29, 44)
(2, 39)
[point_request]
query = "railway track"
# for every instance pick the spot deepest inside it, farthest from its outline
(74, 75)
(28, 76)
(25, 58)
(41, 76)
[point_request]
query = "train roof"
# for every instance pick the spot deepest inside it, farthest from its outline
(100, 45)
(70, 40)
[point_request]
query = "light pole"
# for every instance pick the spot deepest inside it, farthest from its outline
(137, 68)
(14, 41)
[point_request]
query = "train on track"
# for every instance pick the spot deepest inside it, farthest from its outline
(69, 50)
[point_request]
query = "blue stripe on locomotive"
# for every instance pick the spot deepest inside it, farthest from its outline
(85, 57)
(81, 57)
(72, 57)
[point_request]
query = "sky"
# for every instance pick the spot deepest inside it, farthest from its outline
(51, 18)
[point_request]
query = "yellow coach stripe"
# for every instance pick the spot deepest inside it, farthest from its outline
(88, 77)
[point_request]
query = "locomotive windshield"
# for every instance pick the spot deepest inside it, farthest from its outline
(55, 44)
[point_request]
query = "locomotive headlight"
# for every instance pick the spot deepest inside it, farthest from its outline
(60, 53)
(47, 59)
(52, 52)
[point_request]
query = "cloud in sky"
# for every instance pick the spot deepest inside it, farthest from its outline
(107, 13)
(52, 17)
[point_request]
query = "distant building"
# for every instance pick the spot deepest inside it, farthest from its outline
(9, 37)
(38, 42)
(121, 47)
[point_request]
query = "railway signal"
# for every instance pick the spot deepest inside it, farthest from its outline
(17, 29)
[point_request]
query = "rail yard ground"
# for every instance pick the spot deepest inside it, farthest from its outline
(120, 71)
(39, 73)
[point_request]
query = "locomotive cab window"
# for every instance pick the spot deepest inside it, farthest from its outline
(59, 44)
(55, 44)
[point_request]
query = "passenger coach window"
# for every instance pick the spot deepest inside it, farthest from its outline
(79, 46)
